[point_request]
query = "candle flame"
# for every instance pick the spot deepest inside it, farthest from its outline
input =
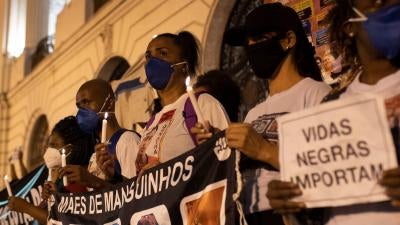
(187, 81)
(63, 151)
(6, 177)
(106, 115)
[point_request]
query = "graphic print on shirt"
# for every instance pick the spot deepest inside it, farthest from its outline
(267, 126)
(146, 154)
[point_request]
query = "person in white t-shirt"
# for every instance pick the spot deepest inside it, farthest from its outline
(279, 52)
(170, 58)
(368, 32)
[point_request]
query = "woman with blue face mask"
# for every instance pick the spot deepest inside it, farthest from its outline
(368, 34)
(170, 59)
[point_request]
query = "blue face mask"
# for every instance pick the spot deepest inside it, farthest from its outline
(383, 28)
(158, 72)
(88, 120)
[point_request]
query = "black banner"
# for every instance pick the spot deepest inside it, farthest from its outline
(195, 188)
(29, 188)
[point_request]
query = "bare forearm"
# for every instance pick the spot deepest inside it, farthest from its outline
(38, 213)
(270, 154)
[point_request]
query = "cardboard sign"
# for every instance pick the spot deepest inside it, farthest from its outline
(337, 151)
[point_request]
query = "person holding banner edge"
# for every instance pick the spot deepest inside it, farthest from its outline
(65, 132)
(369, 36)
(170, 60)
(279, 52)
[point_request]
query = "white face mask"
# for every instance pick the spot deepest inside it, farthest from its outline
(52, 158)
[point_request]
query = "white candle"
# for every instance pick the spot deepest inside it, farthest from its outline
(64, 164)
(49, 176)
(193, 99)
(104, 128)
(7, 183)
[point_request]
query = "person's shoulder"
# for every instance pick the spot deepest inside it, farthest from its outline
(317, 88)
(207, 100)
(206, 97)
(316, 85)
(256, 111)
(128, 136)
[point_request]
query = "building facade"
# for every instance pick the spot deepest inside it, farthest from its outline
(92, 39)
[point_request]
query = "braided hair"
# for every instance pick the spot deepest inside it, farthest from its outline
(82, 143)
(189, 47)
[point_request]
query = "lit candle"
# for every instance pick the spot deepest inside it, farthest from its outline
(7, 183)
(104, 128)
(49, 176)
(193, 99)
(64, 164)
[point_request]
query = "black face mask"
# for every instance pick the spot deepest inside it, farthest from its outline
(265, 57)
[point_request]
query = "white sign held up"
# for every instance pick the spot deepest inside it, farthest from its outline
(336, 152)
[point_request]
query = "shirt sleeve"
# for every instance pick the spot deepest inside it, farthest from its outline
(213, 111)
(126, 152)
(316, 93)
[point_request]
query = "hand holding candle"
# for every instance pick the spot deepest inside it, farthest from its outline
(104, 128)
(64, 164)
(193, 99)
(7, 183)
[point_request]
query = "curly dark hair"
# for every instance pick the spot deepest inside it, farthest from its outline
(337, 17)
(82, 143)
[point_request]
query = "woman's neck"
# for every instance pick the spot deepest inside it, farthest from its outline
(286, 77)
(172, 94)
(375, 70)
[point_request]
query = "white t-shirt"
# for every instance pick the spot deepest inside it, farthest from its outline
(305, 94)
(167, 136)
(377, 213)
(126, 152)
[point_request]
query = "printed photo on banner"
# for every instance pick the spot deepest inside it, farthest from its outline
(336, 148)
(206, 207)
(155, 216)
